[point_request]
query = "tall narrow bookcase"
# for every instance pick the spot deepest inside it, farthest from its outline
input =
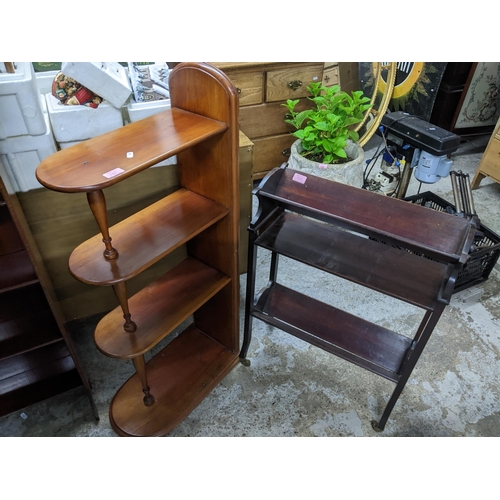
(201, 128)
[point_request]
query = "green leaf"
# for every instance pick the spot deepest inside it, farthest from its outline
(341, 153)
(321, 125)
(353, 135)
(327, 145)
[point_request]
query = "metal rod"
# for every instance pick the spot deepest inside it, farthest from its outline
(454, 186)
(469, 192)
(463, 194)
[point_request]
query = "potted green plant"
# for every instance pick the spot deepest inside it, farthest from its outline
(326, 142)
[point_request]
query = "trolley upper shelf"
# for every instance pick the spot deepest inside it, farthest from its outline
(105, 160)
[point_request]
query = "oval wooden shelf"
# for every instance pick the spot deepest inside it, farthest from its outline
(159, 308)
(145, 237)
(105, 160)
(180, 377)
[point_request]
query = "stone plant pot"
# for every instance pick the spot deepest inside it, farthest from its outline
(347, 173)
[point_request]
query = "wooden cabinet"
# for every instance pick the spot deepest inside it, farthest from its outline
(343, 233)
(37, 358)
(201, 128)
(490, 162)
(262, 88)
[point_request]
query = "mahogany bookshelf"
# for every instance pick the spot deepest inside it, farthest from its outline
(37, 356)
(341, 229)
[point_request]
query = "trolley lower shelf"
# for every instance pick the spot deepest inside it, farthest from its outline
(180, 377)
(363, 343)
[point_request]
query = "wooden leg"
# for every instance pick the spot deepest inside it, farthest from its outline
(97, 204)
(249, 302)
(120, 290)
(478, 177)
(273, 269)
(423, 334)
(140, 368)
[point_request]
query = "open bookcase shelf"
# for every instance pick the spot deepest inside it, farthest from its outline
(201, 128)
(37, 356)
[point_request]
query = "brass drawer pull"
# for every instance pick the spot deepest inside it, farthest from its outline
(238, 90)
(286, 152)
(295, 84)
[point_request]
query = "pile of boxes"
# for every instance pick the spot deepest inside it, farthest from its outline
(34, 124)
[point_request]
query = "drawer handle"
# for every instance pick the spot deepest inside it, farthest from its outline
(295, 84)
(238, 90)
(286, 152)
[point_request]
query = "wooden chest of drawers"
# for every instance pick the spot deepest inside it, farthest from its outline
(262, 88)
(490, 162)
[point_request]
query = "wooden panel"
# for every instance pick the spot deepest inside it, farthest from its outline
(349, 76)
(250, 86)
(211, 170)
(16, 270)
(490, 164)
(268, 119)
(10, 241)
(279, 82)
(21, 301)
(270, 152)
(27, 332)
(145, 237)
(31, 377)
(331, 76)
(105, 160)
(158, 309)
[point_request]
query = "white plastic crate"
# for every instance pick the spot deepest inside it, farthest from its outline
(139, 110)
(44, 81)
(21, 156)
(78, 123)
(108, 80)
(21, 111)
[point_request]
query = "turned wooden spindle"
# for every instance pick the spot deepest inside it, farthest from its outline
(120, 290)
(140, 368)
(97, 204)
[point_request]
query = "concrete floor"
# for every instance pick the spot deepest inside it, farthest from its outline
(294, 389)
